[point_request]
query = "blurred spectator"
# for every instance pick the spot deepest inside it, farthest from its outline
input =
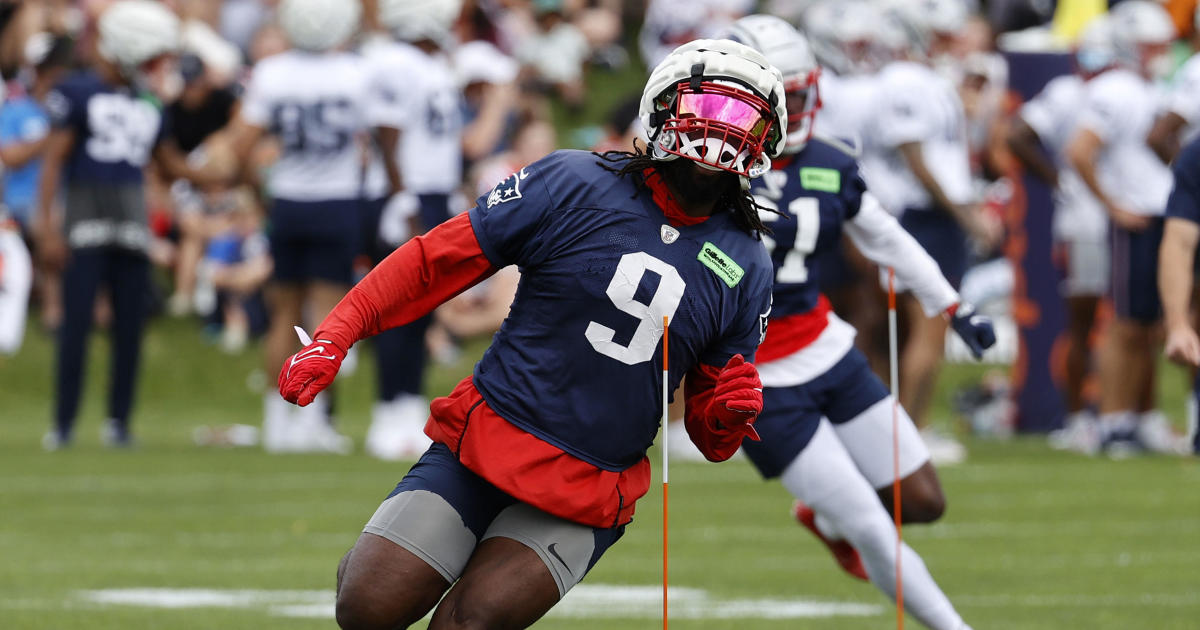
(202, 109)
(534, 140)
(621, 127)
(236, 264)
(24, 129)
(670, 23)
(16, 278)
(490, 99)
(555, 53)
(24, 126)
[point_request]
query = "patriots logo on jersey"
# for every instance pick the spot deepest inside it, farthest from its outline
(507, 190)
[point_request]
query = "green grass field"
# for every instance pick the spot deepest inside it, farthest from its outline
(1033, 539)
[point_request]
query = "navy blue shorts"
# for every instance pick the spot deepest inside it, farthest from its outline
(791, 415)
(1134, 284)
(942, 237)
(477, 501)
(315, 240)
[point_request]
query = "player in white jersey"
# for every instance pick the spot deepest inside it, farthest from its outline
(916, 162)
(1180, 120)
(1080, 225)
(313, 100)
(414, 93)
(1110, 152)
(827, 421)
(845, 41)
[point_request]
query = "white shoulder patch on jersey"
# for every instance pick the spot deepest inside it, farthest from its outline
(507, 190)
(849, 146)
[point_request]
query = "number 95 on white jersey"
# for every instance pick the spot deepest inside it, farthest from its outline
(315, 104)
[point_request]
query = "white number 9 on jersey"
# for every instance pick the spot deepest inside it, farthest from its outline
(621, 290)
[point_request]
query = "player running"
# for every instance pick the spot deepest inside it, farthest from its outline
(827, 419)
(1080, 225)
(539, 458)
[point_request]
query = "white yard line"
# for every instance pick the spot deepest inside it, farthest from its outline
(586, 601)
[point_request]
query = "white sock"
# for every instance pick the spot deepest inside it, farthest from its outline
(824, 477)
(1117, 422)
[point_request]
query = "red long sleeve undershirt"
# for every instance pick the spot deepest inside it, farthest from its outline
(433, 268)
(420, 275)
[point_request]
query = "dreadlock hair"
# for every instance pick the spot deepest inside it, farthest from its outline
(739, 202)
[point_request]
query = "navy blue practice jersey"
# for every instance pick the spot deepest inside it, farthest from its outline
(116, 128)
(1184, 202)
(578, 361)
(816, 192)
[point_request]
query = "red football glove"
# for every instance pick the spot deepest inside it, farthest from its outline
(309, 371)
(737, 397)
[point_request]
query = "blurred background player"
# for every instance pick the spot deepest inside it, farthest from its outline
(107, 124)
(1109, 151)
(1080, 224)
(845, 38)
(540, 457)
(916, 161)
(1176, 272)
(1178, 122)
(418, 102)
(827, 419)
(314, 99)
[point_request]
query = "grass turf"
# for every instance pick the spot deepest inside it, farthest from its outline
(1033, 538)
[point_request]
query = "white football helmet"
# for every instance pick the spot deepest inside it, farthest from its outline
(133, 32)
(718, 103)
(1095, 50)
(786, 49)
(415, 20)
(1142, 33)
(921, 20)
(319, 25)
(846, 35)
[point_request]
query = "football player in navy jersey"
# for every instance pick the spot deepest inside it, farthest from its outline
(827, 419)
(107, 126)
(1176, 259)
(539, 458)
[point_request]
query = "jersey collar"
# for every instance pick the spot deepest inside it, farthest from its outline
(666, 201)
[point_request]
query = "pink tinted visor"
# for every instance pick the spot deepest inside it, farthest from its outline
(724, 108)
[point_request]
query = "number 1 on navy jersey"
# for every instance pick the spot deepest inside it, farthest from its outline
(807, 212)
(621, 290)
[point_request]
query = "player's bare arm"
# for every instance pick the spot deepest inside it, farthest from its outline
(1175, 258)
